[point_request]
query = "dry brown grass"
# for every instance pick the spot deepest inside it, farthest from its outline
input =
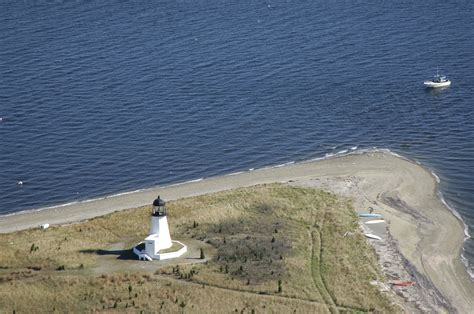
(264, 237)
(149, 294)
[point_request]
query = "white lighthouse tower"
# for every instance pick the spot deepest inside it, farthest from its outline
(159, 237)
(158, 245)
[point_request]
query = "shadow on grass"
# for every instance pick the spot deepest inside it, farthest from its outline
(121, 254)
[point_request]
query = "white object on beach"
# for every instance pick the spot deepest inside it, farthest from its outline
(370, 215)
(44, 226)
(376, 221)
(372, 236)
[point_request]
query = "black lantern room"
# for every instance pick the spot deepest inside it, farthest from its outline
(159, 208)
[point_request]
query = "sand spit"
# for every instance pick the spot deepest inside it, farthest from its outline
(419, 226)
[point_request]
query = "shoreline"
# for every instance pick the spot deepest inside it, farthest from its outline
(340, 154)
(428, 233)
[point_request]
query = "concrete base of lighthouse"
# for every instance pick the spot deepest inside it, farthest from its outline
(141, 250)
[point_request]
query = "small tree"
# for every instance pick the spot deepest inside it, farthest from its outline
(202, 256)
(182, 305)
(130, 290)
(279, 285)
(33, 248)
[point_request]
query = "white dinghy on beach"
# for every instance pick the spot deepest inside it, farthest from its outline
(375, 221)
(372, 236)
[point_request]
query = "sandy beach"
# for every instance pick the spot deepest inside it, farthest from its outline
(422, 232)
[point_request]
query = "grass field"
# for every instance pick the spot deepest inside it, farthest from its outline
(269, 248)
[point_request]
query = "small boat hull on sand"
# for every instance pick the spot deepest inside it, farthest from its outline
(375, 221)
(402, 283)
(372, 236)
(370, 215)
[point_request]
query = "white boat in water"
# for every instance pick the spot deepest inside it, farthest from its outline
(437, 81)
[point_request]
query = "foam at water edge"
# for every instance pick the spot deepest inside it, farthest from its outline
(469, 270)
(283, 165)
(438, 180)
(195, 180)
(73, 202)
(97, 198)
(234, 173)
(174, 184)
(343, 152)
(314, 159)
(467, 236)
(457, 215)
(43, 208)
(115, 195)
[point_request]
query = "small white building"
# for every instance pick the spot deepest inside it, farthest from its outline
(158, 244)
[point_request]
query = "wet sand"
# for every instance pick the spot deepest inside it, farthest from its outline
(420, 227)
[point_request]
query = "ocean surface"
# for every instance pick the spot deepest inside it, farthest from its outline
(103, 97)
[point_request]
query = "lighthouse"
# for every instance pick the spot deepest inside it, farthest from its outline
(159, 237)
(158, 244)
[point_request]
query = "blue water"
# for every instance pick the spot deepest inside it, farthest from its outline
(100, 97)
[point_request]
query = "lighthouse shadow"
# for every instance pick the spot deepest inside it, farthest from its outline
(121, 254)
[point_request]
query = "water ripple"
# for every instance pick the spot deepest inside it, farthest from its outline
(101, 98)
